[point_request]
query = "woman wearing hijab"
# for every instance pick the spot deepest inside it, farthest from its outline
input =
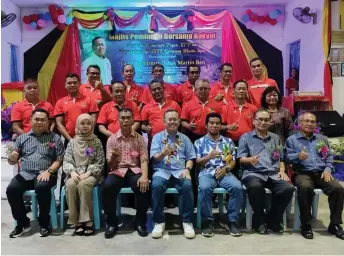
(83, 164)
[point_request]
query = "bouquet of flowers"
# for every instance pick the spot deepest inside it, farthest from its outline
(227, 154)
(275, 152)
(177, 143)
(322, 149)
(6, 120)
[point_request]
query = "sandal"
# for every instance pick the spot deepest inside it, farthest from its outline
(89, 230)
(79, 229)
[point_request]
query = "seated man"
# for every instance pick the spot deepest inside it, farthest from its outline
(40, 155)
(261, 158)
(172, 154)
(313, 163)
(216, 157)
(127, 157)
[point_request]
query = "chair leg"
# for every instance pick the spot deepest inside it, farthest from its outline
(249, 214)
(220, 199)
(62, 207)
(119, 202)
(180, 205)
(199, 219)
(315, 205)
(296, 214)
(96, 216)
(53, 210)
(34, 207)
(285, 219)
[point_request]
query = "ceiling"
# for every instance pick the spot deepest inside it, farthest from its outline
(143, 3)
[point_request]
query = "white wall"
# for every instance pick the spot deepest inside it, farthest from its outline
(10, 35)
(311, 52)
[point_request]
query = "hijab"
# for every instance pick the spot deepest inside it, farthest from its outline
(82, 141)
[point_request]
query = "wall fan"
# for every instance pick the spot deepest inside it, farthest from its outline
(304, 15)
(7, 19)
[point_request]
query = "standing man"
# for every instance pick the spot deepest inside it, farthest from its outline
(222, 91)
(108, 117)
(94, 87)
(172, 154)
(152, 113)
(22, 111)
(40, 154)
(70, 107)
(158, 72)
(133, 91)
(195, 111)
(258, 82)
(216, 157)
(186, 91)
(127, 157)
(237, 116)
(98, 58)
(312, 162)
(261, 158)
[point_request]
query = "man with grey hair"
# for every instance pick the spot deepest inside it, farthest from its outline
(195, 111)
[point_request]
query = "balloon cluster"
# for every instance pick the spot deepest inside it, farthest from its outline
(250, 17)
(55, 14)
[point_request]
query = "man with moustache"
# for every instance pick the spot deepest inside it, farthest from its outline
(186, 91)
(312, 162)
(222, 90)
(133, 91)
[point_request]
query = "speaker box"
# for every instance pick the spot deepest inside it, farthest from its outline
(331, 123)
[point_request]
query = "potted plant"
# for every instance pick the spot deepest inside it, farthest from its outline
(338, 152)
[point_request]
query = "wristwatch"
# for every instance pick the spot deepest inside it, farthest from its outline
(50, 170)
(189, 169)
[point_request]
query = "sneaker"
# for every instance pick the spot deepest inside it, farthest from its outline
(208, 228)
(158, 230)
(19, 230)
(189, 231)
(234, 229)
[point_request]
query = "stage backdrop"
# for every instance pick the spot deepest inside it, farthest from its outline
(175, 50)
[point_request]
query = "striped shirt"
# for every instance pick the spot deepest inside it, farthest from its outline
(38, 152)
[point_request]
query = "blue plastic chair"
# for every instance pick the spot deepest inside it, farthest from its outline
(53, 211)
(97, 209)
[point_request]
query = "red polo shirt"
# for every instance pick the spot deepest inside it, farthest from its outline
(185, 92)
(154, 113)
(108, 114)
(256, 89)
(22, 112)
(169, 92)
(91, 92)
(217, 88)
(231, 114)
(134, 93)
(195, 111)
(72, 108)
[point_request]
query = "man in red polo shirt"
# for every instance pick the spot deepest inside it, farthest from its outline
(133, 91)
(22, 111)
(258, 83)
(237, 116)
(222, 90)
(152, 113)
(186, 91)
(94, 87)
(195, 111)
(108, 116)
(158, 72)
(70, 107)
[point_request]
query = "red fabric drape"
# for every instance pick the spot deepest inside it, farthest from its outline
(327, 72)
(69, 62)
(13, 86)
(233, 52)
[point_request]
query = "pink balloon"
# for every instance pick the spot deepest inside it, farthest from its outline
(61, 19)
(41, 23)
(260, 11)
(249, 25)
(29, 28)
(280, 18)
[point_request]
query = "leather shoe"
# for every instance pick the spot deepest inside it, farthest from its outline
(142, 231)
(110, 231)
(307, 233)
(261, 229)
(336, 230)
(44, 232)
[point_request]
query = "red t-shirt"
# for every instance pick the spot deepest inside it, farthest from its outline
(194, 111)
(91, 92)
(134, 93)
(185, 92)
(154, 114)
(256, 89)
(231, 114)
(169, 92)
(22, 112)
(217, 88)
(108, 114)
(72, 108)
(291, 84)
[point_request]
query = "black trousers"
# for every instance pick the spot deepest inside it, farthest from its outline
(282, 193)
(15, 191)
(111, 188)
(305, 183)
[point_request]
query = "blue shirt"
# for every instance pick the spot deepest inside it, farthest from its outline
(205, 145)
(184, 152)
(250, 144)
(315, 161)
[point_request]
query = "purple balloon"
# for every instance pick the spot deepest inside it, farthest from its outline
(41, 23)
(249, 25)
(61, 19)
(280, 18)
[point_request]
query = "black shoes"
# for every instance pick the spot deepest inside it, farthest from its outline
(44, 232)
(208, 228)
(110, 231)
(276, 227)
(19, 230)
(337, 230)
(306, 231)
(261, 229)
(141, 230)
(234, 229)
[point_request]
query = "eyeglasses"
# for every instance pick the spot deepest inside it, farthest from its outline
(309, 121)
(261, 120)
